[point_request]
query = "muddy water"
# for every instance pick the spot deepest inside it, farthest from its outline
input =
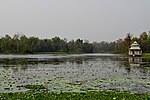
(75, 72)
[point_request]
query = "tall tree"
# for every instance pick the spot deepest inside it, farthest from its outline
(143, 41)
(127, 42)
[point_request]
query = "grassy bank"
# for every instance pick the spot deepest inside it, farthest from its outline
(73, 96)
(146, 55)
(119, 53)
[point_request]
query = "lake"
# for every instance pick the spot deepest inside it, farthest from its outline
(75, 72)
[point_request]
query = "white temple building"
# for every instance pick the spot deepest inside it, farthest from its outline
(135, 50)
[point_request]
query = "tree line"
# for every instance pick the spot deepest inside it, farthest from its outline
(122, 45)
(23, 44)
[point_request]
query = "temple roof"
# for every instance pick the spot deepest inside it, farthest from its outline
(135, 46)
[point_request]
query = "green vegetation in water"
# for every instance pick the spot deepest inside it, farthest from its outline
(35, 87)
(102, 95)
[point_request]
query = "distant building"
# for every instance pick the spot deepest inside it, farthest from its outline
(135, 50)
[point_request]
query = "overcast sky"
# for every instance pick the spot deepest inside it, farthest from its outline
(94, 20)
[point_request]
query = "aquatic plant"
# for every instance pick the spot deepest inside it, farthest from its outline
(103, 95)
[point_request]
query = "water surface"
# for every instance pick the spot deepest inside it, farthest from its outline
(75, 72)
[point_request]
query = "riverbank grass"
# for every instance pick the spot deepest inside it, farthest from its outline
(146, 55)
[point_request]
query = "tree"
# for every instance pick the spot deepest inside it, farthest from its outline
(56, 44)
(128, 39)
(24, 44)
(5, 44)
(71, 46)
(79, 45)
(127, 42)
(143, 41)
(148, 44)
(33, 41)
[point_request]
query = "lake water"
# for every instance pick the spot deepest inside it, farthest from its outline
(75, 72)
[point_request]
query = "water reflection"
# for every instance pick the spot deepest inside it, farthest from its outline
(27, 62)
(135, 61)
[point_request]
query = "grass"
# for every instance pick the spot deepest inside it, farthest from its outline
(146, 55)
(125, 53)
(102, 95)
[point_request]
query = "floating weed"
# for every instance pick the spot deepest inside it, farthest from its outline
(33, 87)
(100, 72)
(7, 88)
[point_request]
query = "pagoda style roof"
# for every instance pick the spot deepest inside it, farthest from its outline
(135, 46)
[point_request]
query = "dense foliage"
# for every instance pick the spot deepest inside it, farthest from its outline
(23, 44)
(122, 45)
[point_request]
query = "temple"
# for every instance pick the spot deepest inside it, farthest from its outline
(135, 50)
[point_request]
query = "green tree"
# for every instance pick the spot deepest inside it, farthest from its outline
(33, 41)
(56, 44)
(24, 44)
(79, 45)
(71, 46)
(143, 41)
(6, 44)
